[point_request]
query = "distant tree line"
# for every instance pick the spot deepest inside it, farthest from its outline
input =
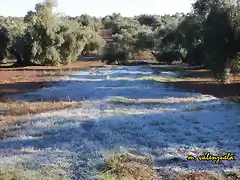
(208, 36)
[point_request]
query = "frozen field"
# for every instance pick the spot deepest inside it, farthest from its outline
(78, 140)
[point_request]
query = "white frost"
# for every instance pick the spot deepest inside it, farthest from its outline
(80, 137)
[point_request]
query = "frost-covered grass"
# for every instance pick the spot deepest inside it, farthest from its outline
(78, 140)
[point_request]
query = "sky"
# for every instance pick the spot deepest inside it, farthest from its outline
(100, 7)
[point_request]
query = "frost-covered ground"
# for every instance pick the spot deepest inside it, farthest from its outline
(78, 140)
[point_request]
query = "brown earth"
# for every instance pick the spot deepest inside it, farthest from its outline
(32, 78)
(202, 81)
(227, 91)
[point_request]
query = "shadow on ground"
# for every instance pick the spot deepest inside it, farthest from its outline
(85, 136)
(99, 90)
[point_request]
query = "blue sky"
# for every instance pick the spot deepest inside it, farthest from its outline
(100, 7)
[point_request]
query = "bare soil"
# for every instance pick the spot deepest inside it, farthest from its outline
(32, 78)
(202, 81)
(226, 91)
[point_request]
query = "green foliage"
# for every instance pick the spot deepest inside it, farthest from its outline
(42, 33)
(44, 38)
(47, 39)
(73, 42)
(195, 55)
(235, 66)
(4, 43)
(93, 42)
(148, 20)
(207, 41)
(112, 54)
(144, 41)
(168, 56)
(221, 38)
(109, 56)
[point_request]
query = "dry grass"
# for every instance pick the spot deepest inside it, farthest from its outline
(15, 109)
(207, 176)
(133, 167)
(128, 167)
(46, 172)
(198, 176)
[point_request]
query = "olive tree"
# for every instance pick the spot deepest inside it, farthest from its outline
(94, 42)
(46, 40)
(221, 38)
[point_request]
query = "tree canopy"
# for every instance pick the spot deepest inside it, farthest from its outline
(45, 38)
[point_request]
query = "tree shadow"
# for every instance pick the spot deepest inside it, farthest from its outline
(78, 90)
(95, 86)
(208, 87)
(22, 87)
(88, 58)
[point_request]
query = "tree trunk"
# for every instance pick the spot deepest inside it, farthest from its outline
(182, 58)
(18, 57)
(118, 61)
(227, 75)
(27, 57)
(1, 59)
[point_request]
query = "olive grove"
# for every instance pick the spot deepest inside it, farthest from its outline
(207, 36)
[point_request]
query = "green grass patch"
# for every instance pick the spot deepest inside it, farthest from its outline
(144, 78)
(165, 79)
(158, 79)
(122, 100)
(119, 100)
(116, 111)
